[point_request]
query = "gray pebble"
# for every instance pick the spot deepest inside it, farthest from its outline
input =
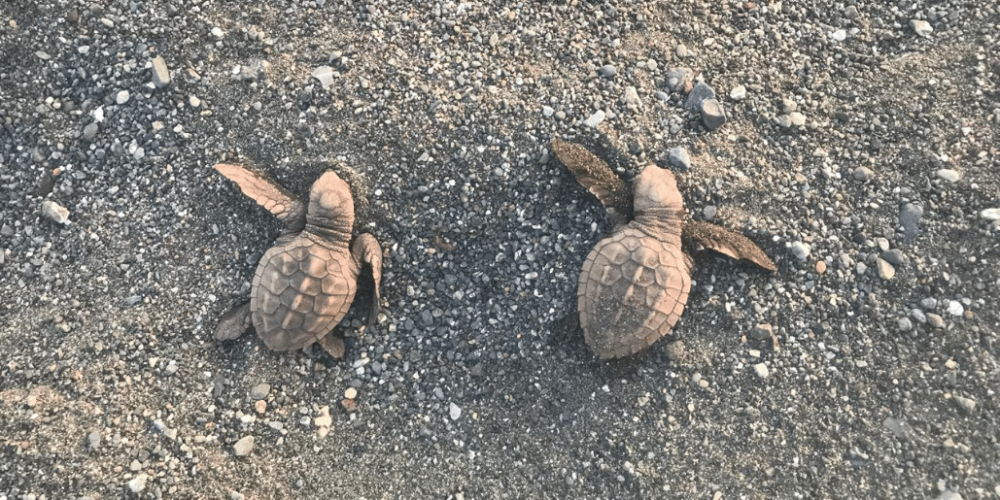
(909, 218)
(661, 95)
(712, 114)
(324, 74)
(800, 250)
(930, 303)
(90, 131)
(682, 51)
(547, 111)
(595, 119)
(784, 121)
(632, 98)
(895, 257)
(699, 94)
(454, 411)
(138, 483)
(921, 27)
(905, 324)
(122, 97)
(948, 175)
(161, 75)
(260, 391)
(608, 70)
(863, 174)
(678, 157)
(966, 404)
(763, 331)
(918, 315)
(788, 106)
(679, 80)
(94, 440)
(709, 212)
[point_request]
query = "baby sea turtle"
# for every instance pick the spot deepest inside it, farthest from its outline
(635, 283)
(305, 282)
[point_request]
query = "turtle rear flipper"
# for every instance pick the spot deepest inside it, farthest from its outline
(595, 175)
(290, 210)
(726, 242)
(366, 250)
(234, 323)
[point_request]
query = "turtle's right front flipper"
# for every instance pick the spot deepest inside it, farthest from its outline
(234, 323)
(595, 175)
(290, 210)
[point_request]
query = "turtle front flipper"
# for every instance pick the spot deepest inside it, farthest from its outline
(333, 345)
(290, 210)
(726, 242)
(595, 175)
(366, 250)
(234, 323)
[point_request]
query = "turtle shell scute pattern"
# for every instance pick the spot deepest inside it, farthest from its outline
(632, 291)
(303, 287)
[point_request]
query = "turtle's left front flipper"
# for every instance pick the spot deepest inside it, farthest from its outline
(595, 175)
(726, 242)
(366, 250)
(290, 210)
(234, 323)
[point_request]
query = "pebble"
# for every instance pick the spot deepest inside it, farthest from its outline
(138, 483)
(94, 440)
(839, 35)
(682, 51)
(949, 495)
(905, 324)
(863, 174)
(909, 218)
(709, 212)
(738, 93)
(895, 257)
(796, 119)
(934, 320)
(161, 75)
(652, 64)
(712, 114)
(323, 419)
(788, 106)
(632, 98)
(966, 404)
(921, 27)
(990, 214)
(679, 80)
(90, 131)
(948, 175)
(595, 119)
(699, 94)
(351, 393)
(260, 391)
(244, 446)
(324, 74)
(260, 406)
(193, 101)
(761, 370)
(454, 411)
(217, 32)
(929, 303)
(800, 250)
(678, 158)
(763, 331)
(821, 267)
(661, 95)
(955, 308)
(122, 97)
(548, 111)
(608, 70)
(885, 269)
(55, 212)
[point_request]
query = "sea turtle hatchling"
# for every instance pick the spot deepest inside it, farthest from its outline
(305, 282)
(635, 283)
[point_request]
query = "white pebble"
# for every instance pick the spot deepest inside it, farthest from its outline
(955, 308)
(738, 93)
(138, 483)
(122, 97)
(761, 370)
(948, 175)
(454, 411)
(55, 212)
(990, 214)
(595, 119)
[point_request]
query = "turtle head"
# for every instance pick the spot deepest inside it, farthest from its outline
(330, 203)
(656, 188)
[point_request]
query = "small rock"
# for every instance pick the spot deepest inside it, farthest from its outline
(990, 214)
(839, 35)
(712, 114)
(969, 405)
(608, 70)
(921, 27)
(454, 411)
(955, 308)
(260, 391)
(675, 351)
(260, 406)
(193, 101)
(885, 270)
(784, 121)
(595, 119)
(863, 174)
(55, 212)
(763, 331)
(652, 64)
(948, 175)
(244, 446)
(678, 157)
(896, 257)
(679, 80)
(682, 51)
(796, 119)
(323, 419)
(325, 76)
(738, 93)
(800, 250)
(820, 267)
(94, 440)
(709, 212)
(138, 483)
(949, 495)
(699, 94)
(90, 131)
(851, 12)
(351, 393)
(905, 324)
(788, 106)
(548, 111)
(632, 98)
(934, 320)
(661, 95)
(761, 370)
(217, 32)
(929, 303)
(909, 218)
(122, 97)
(161, 75)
